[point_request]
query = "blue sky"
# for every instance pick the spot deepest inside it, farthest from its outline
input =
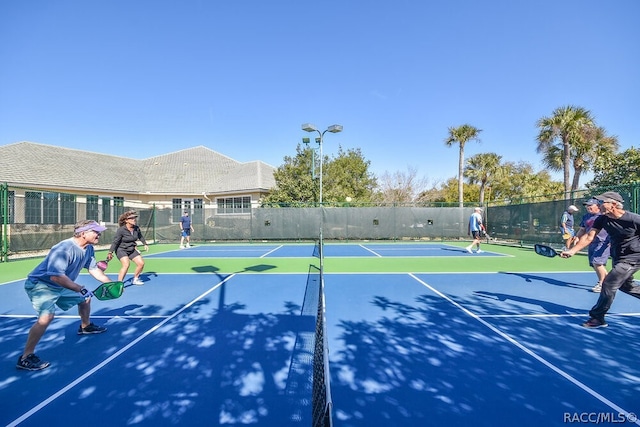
(148, 77)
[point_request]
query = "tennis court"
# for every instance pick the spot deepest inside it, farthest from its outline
(418, 334)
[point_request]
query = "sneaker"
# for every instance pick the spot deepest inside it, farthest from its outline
(469, 250)
(181, 247)
(31, 363)
(597, 288)
(188, 245)
(91, 329)
(479, 251)
(595, 323)
(137, 281)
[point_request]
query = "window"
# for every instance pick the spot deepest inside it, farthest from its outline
(33, 207)
(118, 207)
(176, 212)
(50, 214)
(67, 209)
(11, 207)
(92, 209)
(198, 211)
(106, 209)
(234, 205)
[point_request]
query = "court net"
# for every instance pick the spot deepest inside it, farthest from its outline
(321, 394)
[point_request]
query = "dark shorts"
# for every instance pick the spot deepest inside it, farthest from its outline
(131, 255)
(186, 232)
(476, 234)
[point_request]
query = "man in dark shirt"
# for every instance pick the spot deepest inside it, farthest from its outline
(185, 230)
(624, 230)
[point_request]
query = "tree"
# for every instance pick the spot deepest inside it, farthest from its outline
(294, 182)
(461, 135)
(346, 175)
(561, 133)
(518, 181)
(400, 187)
(614, 169)
(594, 143)
(482, 169)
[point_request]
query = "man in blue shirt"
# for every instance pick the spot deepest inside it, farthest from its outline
(598, 251)
(185, 230)
(566, 226)
(475, 230)
(52, 284)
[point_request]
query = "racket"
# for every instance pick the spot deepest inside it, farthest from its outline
(106, 291)
(102, 265)
(545, 250)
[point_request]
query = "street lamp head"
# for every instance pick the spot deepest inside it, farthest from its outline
(308, 127)
(306, 140)
(335, 128)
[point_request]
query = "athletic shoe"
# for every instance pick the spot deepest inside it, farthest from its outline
(188, 245)
(181, 247)
(469, 250)
(595, 323)
(479, 251)
(137, 281)
(597, 288)
(31, 363)
(90, 329)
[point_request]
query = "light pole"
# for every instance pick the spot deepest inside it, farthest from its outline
(308, 127)
(307, 142)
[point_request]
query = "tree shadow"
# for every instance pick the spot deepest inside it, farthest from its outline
(208, 365)
(427, 363)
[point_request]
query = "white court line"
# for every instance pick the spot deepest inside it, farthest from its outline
(543, 315)
(71, 316)
(373, 252)
(271, 251)
(628, 415)
(109, 359)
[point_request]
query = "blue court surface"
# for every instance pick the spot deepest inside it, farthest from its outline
(330, 250)
(406, 349)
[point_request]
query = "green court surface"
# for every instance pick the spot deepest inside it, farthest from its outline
(517, 259)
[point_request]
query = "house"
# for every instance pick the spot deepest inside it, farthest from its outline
(49, 180)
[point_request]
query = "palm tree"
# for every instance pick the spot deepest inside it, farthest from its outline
(593, 144)
(559, 134)
(461, 135)
(481, 169)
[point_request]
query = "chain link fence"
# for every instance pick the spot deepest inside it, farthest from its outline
(34, 220)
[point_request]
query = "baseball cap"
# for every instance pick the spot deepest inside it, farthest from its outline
(610, 196)
(591, 202)
(91, 226)
(573, 208)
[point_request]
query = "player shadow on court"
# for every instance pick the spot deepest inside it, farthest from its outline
(145, 277)
(528, 277)
(252, 268)
(547, 306)
(430, 363)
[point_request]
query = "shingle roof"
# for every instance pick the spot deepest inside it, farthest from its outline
(191, 171)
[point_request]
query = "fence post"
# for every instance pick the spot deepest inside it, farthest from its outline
(153, 223)
(4, 213)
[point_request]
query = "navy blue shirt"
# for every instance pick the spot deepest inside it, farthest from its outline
(185, 222)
